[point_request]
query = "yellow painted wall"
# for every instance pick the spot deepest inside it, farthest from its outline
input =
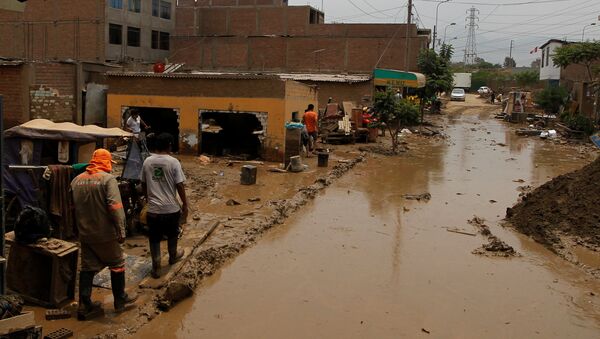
(297, 98)
(189, 107)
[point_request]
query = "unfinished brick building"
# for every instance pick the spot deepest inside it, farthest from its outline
(270, 36)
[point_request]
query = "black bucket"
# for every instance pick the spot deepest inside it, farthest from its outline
(248, 175)
(323, 159)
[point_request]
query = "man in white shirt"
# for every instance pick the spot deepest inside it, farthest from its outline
(162, 180)
(134, 123)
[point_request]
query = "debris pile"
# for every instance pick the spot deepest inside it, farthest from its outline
(566, 205)
(495, 247)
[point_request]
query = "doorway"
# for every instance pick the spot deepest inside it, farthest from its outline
(226, 133)
(160, 120)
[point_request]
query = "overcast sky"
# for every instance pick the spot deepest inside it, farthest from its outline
(529, 23)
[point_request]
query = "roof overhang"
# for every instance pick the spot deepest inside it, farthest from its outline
(49, 130)
(394, 78)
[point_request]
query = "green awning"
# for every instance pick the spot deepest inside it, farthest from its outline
(394, 78)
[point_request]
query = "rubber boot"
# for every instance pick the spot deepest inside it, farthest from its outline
(155, 254)
(87, 309)
(174, 254)
(122, 299)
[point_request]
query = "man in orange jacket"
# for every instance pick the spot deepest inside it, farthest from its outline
(101, 225)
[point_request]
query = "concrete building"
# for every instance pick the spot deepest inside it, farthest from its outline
(215, 113)
(86, 30)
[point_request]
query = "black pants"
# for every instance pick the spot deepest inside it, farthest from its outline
(160, 225)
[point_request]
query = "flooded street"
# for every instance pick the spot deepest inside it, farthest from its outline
(361, 261)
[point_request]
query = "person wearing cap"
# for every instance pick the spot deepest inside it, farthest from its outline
(101, 226)
(162, 181)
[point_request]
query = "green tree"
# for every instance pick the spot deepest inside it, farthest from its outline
(436, 69)
(527, 79)
(393, 114)
(509, 62)
(583, 53)
(552, 98)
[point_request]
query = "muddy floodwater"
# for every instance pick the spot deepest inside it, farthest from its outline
(361, 261)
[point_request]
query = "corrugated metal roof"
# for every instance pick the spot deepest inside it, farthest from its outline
(323, 77)
(347, 78)
(194, 75)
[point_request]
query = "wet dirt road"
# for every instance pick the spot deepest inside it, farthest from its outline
(363, 262)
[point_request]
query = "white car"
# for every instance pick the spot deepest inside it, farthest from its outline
(458, 94)
(483, 90)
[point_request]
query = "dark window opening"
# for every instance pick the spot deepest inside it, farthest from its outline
(165, 9)
(133, 36)
(135, 6)
(115, 34)
(154, 40)
(116, 4)
(164, 41)
(160, 120)
(155, 7)
(316, 17)
(231, 134)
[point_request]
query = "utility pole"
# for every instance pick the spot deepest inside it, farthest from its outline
(510, 55)
(407, 38)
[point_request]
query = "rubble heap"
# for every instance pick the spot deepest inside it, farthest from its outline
(566, 205)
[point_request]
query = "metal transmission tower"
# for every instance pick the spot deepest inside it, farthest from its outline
(471, 47)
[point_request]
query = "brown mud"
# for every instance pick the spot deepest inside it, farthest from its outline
(564, 214)
(362, 261)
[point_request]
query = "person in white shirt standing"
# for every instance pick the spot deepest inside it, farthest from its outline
(162, 180)
(134, 123)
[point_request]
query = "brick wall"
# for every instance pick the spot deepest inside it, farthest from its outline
(58, 29)
(197, 87)
(281, 39)
(11, 81)
(52, 93)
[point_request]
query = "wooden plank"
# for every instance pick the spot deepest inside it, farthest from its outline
(17, 323)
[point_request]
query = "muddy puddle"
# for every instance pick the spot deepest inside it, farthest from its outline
(363, 261)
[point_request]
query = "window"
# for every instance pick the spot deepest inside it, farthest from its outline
(165, 9)
(135, 6)
(116, 4)
(115, 34)
(160, 40)
(155, 7)
(548, 56)
(164, 41)
(543, 56)
(154, 40)
(133, 36)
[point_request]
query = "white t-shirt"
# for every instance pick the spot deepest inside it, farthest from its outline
(161, 173)
(134, 124)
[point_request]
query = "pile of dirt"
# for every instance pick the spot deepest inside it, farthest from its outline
(567, 205)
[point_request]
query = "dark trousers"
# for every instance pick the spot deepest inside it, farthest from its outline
(160, 225)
